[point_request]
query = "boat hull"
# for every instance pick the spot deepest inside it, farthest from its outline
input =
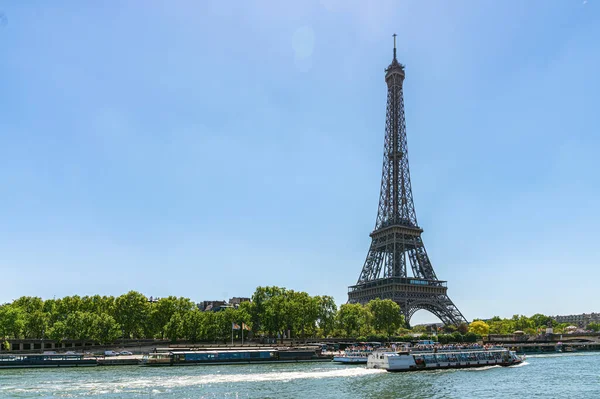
(47, 365)
(350, 360)
(240, 362)
(453, 366)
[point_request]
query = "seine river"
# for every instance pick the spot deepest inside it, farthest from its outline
(541, 376)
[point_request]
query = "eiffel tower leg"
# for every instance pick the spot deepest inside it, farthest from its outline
(405, 311)
(440, 305)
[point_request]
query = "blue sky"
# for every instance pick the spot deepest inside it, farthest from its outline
(205, 148)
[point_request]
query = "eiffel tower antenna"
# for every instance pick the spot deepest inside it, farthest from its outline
(396, 240)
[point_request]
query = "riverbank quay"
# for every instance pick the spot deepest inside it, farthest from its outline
(545, 343)
(139, 346)
(552, 347)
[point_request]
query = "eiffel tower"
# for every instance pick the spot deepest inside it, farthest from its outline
(397, 235)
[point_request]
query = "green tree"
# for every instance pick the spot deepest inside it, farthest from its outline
(521, 323)
(194, 325)
(268, 310)
(351, 318)
(35, 324)
(29, 304)
(174, 327)
(594, 327)
(326, 311)
(68, 305)
(560, 328)
(386, 315)
(163, 310)
(244, 312)
(132, 311)
(50, 308)
(57, 331)
(301, 313)
(540, 321)
(449, 328)
(500, 326)
(471, 337)
(12, 321)
(222, 324)
(211, 326)
(457, 337)
(80, 325)
(444, 338)
(105, 329)
(422, 329)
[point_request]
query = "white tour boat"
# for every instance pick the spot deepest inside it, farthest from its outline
(406, 361)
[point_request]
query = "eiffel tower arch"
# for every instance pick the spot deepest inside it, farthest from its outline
(396, 240)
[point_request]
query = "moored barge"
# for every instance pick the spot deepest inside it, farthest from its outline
(233, 356)
(43, 360)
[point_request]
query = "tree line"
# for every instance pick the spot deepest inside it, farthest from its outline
(273, 312)
(533, 325)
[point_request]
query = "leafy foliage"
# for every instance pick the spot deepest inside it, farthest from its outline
(594, 327)
(273, 312)
(479, 327)
(386, 315)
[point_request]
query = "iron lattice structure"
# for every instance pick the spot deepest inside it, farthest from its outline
(396, 239)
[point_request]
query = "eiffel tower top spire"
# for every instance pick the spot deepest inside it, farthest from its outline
(395, 66)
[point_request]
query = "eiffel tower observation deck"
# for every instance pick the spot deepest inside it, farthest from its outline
(396, 239)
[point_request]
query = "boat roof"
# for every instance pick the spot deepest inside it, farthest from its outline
(446, 352)
(232, 348)
(221, 351)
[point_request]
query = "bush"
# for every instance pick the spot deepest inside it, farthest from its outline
(457, 337)
(444, 338)
(373, 338)
(471, 337)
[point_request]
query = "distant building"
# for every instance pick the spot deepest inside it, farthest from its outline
(216, 306)
(579, 320)
(235, 301)
(205, 306)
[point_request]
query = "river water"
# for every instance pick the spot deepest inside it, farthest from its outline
(540, 376)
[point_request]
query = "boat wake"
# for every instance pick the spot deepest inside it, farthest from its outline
(259, 377)
(519, 365)
(170, 382)
(483, 368)
(563, 354)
